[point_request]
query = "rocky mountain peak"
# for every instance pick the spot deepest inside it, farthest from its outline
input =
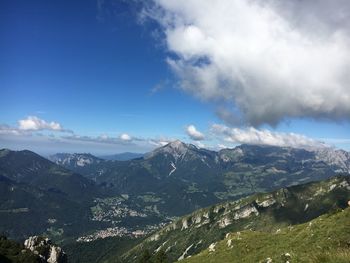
(177, 149)
(177, 145)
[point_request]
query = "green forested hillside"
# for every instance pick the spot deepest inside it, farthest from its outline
(40, 197)
(184, 178)
(32, 169)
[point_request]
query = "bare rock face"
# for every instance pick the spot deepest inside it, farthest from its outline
(245, 212)
(45, 249)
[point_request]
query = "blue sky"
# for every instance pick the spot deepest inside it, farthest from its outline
(100, 69)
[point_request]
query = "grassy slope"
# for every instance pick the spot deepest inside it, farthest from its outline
(289, 209)
(324, 239)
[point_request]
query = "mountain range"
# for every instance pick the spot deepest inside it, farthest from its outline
(185, 177)
(304, 223)
(84, 198)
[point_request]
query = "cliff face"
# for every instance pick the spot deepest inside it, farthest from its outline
(45, 249)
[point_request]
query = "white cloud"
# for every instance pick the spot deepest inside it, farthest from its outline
(199, 144)
(125, 137)
(30, 127)
(266, 137)
(194, 134)
(33, 123)
(270, 59)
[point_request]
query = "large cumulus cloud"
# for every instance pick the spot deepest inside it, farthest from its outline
(267, 60)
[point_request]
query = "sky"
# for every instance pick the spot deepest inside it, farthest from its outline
(110, 76)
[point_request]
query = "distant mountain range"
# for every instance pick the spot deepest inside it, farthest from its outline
(185, 177)
(40, 197)
(81, 196)
(82, 159)
(86, 198)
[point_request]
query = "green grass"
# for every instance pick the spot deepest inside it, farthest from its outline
(324, 239)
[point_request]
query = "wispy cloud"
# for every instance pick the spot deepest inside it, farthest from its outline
(51, 135)
(160, 86)
(8, 130)
(35, 133)
(102, 139)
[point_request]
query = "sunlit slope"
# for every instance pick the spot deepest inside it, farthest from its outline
(324, 239)
(263, 212)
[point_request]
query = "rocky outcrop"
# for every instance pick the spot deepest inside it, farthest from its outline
(185, 223)
(265, 203)
(211, 248)
(185, 252)
(45, 249)
(245, 212)
(224, 222)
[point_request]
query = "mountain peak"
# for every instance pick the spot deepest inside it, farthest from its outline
(176, 144)
(175, 148)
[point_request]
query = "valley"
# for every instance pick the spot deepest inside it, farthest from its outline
(81, 200)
